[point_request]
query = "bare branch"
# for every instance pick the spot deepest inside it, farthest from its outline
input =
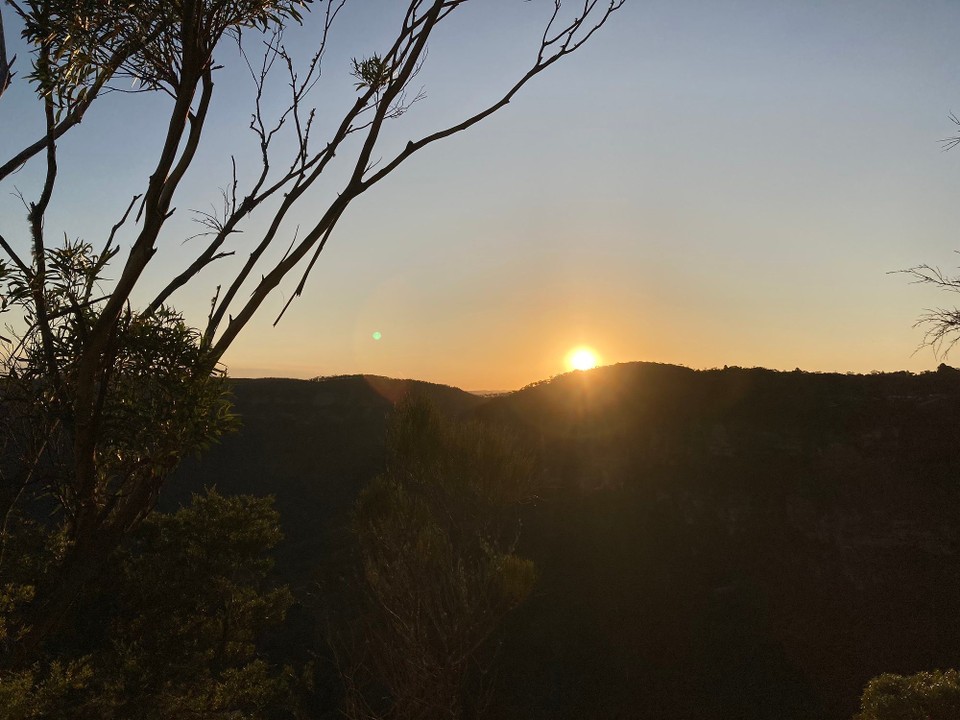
(113, 231)
(951, 142)
(570, 40)
(16, 258)
(38, 275)
(306, 273)
(403, 60)
(941, 325)
(6, 74)
(942, 330)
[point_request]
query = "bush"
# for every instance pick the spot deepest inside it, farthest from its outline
(925, 696)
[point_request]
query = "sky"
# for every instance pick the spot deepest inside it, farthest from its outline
(704, 183)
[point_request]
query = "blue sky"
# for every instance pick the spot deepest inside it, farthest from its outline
(705, 183)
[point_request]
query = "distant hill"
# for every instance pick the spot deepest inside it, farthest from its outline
(310, 443)
(735, 543)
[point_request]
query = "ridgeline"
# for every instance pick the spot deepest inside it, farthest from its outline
(736, 543)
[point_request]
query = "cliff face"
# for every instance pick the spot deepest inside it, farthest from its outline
(721, 544)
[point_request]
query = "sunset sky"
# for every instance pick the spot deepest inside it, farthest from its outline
(705, 183)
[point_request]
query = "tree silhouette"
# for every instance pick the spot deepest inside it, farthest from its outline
(439, 573)
(942, 324)
(103, 396)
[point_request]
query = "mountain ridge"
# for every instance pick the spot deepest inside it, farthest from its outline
(712, 544)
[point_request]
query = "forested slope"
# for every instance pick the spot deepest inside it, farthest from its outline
(734, 543)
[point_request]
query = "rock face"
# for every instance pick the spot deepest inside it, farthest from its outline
(736, 543)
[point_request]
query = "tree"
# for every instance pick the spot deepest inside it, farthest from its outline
(437, 533)
(177, 626)
(104, 397)
(933, 695)
(925, 696)
(942, 325)
(6, 73)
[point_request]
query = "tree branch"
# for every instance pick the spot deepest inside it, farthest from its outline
(37, 278)
(6, 74)
(402, 59)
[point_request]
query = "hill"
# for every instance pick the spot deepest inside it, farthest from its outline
(735, 543)
(311, 444)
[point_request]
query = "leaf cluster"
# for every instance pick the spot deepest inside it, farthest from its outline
(33, 694)
(179, 626)
(79, 45)
(157, 403)
(933, 695)
(371, 73)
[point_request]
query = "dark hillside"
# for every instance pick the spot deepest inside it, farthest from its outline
(735, 543)
(310, 443)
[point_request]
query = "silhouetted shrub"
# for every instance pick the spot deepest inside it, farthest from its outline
(925, 696)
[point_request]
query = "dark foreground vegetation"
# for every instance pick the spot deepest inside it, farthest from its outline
(107, 608)
(637, 542)
(736, 543)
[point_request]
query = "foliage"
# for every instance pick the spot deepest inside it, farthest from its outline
(28, 695)
(436, 534)
(933, 695)
(153, 408)
(178, 627)
(103, 396)
(372, 72)
(195, 599)
(687, 520)
(83, 45)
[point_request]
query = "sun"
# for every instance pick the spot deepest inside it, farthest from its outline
(582, 358)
